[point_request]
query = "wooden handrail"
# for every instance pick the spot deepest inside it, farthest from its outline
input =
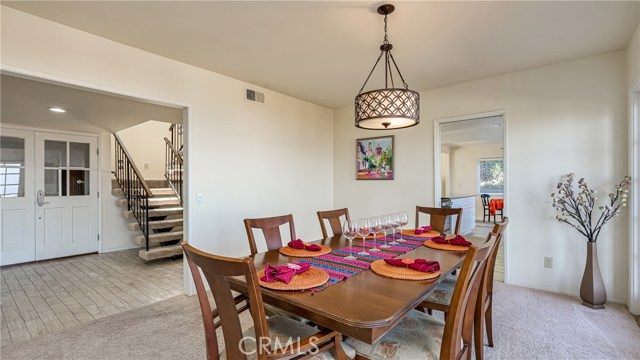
(133, 166)
(173, 149)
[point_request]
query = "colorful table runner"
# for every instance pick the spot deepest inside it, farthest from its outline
(339, 268)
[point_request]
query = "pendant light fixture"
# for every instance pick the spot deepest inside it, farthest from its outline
(391, 107)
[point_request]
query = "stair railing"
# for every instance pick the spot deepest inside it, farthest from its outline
(173, 164)
(176, 136)
(133, 186)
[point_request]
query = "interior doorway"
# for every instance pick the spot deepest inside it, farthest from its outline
(470, 173)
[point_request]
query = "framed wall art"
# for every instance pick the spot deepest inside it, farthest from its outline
(374, 158)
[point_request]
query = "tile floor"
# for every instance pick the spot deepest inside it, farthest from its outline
(49, 296)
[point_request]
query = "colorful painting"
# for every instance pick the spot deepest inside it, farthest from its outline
(374, 158)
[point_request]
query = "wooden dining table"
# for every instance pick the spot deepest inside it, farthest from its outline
(365, 306)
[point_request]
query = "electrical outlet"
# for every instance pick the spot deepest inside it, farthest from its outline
(199, 198)
(548, 262)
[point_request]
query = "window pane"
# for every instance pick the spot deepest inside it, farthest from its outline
(51, 186)
(11, 182)
(11, 151)
(55, 153)
(79, 182)
(491, 176)
(79, 155)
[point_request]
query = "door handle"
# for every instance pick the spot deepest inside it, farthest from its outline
(40, 199)
(79, 182)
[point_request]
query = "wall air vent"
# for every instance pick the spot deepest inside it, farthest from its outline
(254, 96)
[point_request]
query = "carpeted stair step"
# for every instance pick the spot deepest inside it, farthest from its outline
(156, 212)
(154, 201)
(152, 183)
(160, 224)
(154, 191)
(158, 238)
(160, 252)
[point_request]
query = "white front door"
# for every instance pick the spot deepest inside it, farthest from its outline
(17, 197)
(66, 195)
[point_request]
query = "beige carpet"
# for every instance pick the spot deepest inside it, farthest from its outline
(527, 324)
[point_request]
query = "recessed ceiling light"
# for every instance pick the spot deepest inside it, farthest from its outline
(57, 109)
(497, 125)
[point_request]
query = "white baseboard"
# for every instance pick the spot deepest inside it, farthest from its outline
(569, 293)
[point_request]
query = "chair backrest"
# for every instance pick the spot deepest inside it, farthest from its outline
(485, 199)
(438, 217)
(333, 216)
(458, 330)
(270, 229)
(498, 231)
(216, 269)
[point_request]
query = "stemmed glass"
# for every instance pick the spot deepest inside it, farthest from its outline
(350, 231)
(374, 222)
(364, 229)
(403, 219)
(393, 224)
(384, 225)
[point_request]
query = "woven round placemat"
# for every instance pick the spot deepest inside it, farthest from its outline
(446, 247)
(380, 267)
(289, 251)
(428, 234)
(307, 280)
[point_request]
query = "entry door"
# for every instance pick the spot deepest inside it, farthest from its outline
(17, 196)
(66, 199)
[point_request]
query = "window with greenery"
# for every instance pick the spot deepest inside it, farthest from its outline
(491, 176)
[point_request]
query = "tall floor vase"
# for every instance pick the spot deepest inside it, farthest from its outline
(592, 291)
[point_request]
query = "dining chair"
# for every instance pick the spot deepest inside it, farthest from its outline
(438, 217)
(261, 340)
(486, 212)
(270, 227)
(333, 216)
(422, 336)
(440, 298)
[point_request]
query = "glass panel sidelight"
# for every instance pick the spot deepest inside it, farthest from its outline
(11, 151)
(12, 161)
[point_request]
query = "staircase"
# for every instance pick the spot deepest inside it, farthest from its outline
(153, 207)
(165, 221)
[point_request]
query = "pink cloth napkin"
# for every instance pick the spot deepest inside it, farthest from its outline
(423, 229)
(458, 240)
(299, 244)
(283, 273)
(415, 264)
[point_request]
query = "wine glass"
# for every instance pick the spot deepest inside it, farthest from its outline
(403, 219)
(374, 222)
(350, 231)
(393, 224)
(364, 229)
(384, 225)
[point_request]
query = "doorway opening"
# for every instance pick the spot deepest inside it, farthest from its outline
(470, 173)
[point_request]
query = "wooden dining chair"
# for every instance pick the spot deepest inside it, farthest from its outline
(422, 336)
(259, 341)
(270, 229)
(440, 298)
(333, 216)
(486, 212)
(438, 217)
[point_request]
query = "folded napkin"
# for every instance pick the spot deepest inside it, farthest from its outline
(299, 244)
(458, 240)
(415, 264)
(283, 273)
(423, 229)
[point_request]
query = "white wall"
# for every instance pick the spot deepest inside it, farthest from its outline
(247, 160)
(464, 170)
(445, 169)
(567, 117)
(145, 142)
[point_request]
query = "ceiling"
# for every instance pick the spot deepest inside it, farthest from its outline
(488, 130)
(321, 51)
(26, 102)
